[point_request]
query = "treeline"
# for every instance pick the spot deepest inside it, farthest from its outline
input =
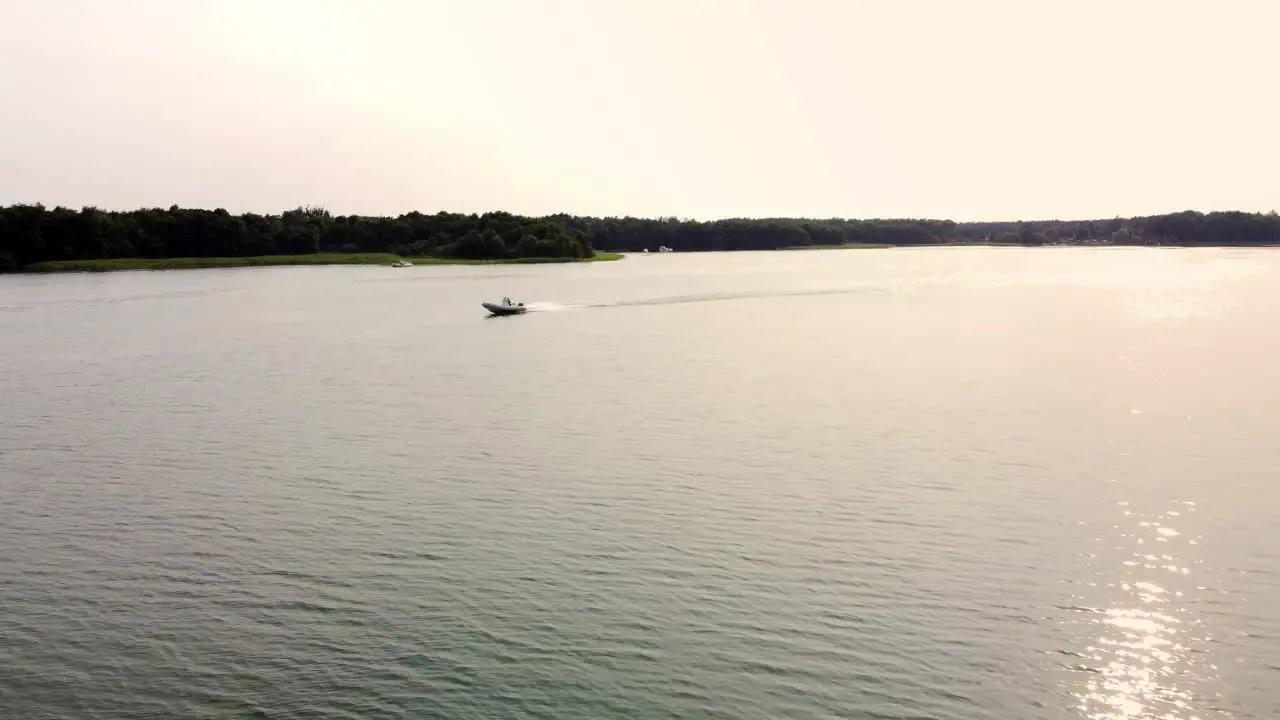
(1178, 229)
(33, 233)
(1185, 228)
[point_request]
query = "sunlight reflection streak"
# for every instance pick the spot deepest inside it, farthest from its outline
(1144, 666)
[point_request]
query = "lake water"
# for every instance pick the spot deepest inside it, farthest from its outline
(911, 483)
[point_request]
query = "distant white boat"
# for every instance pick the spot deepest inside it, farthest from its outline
(664, 248)
(402, 263)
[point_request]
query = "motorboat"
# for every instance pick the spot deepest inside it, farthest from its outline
(402, 263)
(506, 307)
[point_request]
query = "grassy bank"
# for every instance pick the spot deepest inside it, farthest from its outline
(264, 260)
(210, 262)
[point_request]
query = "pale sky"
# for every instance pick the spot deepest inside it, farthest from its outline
(962, 109)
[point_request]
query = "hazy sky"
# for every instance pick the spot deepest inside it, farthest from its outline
(968, 109)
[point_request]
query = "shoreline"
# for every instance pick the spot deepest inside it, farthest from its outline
(204, 263)
(34, 238)
(843, 246)
(387, 259)
(1029, 246)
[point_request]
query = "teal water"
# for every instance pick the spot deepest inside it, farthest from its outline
(937, 483)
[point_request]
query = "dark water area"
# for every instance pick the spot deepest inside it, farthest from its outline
(935, 483)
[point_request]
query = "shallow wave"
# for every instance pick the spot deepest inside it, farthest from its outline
(320, 499)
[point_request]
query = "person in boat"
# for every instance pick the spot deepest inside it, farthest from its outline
(506, 301)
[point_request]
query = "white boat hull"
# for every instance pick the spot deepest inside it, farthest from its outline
(500, 309)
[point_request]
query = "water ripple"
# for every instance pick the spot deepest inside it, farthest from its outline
(887, 487)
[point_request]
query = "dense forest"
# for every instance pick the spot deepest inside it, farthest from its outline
(1185, 228)
(33, 233)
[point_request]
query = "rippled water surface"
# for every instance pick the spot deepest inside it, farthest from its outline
(936, 483)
